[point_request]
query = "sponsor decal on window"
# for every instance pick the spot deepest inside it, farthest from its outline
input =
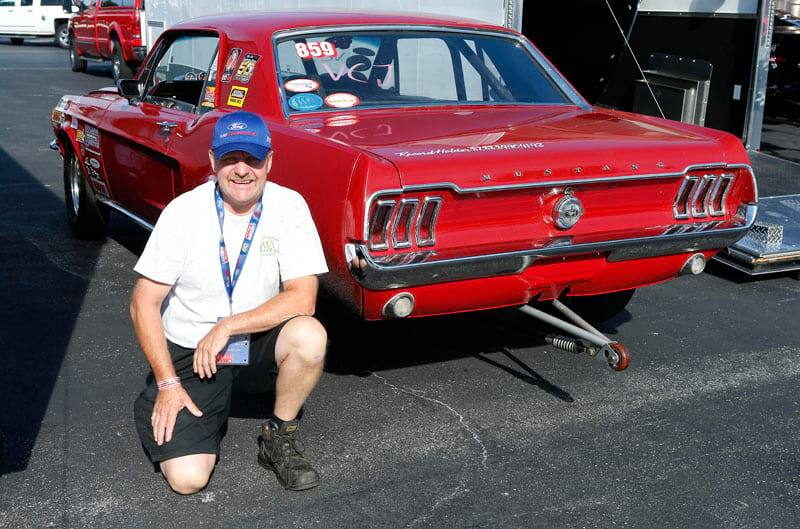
(301, 85)
(305, 102)
(342, 100)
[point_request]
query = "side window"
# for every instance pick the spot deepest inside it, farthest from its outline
(426, 69)
(58, 3)
(26, 3)
(178, 79)
(7, 3)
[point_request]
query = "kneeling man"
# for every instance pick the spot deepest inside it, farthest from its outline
(200, 316)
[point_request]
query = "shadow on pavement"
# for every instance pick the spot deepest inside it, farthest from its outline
(42, 300)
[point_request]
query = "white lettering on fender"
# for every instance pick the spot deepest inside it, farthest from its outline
(476, 148)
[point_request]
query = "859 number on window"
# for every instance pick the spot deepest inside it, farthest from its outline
(314, 50)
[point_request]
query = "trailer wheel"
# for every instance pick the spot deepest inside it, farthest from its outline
(62, 36)
(76, 64)
(119, 67)
(618, 358)
(86, 216)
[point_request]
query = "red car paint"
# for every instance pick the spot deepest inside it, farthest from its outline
(499, 170)
(100, 24)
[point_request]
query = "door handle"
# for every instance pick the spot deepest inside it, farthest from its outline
(167, 126)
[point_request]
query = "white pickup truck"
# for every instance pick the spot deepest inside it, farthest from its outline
(20, 19)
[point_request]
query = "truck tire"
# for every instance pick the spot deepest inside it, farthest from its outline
(61, 38)
(600, 308)
(75, 62)
(87, 217)
(17, 41)
(119, 67)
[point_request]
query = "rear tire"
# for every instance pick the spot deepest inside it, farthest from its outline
(17, 41)
(597, 309)
(86, 216)
(61, 38)
(75, 62)
(119, 67)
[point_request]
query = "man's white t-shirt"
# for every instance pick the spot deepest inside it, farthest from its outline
(183, 251)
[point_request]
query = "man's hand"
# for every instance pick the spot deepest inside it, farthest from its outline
(205, 356)
(168, 403)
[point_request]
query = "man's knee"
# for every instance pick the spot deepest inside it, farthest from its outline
(187, 477)
(305, 338)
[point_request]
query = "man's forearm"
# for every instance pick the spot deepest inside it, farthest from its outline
(150, 333)
(285, 305)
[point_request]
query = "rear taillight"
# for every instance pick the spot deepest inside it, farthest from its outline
(399, 224)
(701, 196)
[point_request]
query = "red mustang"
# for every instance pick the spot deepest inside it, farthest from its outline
(449, 167)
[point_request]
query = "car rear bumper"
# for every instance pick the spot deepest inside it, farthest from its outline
(374, 275)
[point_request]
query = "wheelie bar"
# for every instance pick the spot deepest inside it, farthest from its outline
(586, 339)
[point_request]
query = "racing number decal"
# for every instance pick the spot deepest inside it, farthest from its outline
(237, 96)
(315, 50)
(246, 68)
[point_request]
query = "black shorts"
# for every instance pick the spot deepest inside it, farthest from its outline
(200, 435)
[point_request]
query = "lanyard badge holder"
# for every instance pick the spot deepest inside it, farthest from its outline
(237, 350)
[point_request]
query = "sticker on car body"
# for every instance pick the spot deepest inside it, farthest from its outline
(246, 68)
(474, 148)
(209, 97)
(342, 100)
(230, 64)
(305, 102)
(301, 85)
(237, 96)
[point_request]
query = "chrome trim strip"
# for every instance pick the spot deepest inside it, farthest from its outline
(434, 202)
(375, 276)
(700, 196)
(405, 203)
(550, 183)
(683, 198)
(133, 216)
(727, 181)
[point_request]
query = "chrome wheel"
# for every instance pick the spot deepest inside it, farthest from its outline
(75, 185)
(62, 37)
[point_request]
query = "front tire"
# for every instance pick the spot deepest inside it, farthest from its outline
(85, 215)
(600, 308)
(61, 38)
(119, 67)
(75, 62)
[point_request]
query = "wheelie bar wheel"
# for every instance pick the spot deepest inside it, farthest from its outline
(617, 356)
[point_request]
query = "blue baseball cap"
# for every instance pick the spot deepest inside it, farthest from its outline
(241, 131)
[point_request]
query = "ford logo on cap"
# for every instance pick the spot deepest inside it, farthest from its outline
(237, 126)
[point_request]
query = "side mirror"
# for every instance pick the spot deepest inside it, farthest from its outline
(129, 88)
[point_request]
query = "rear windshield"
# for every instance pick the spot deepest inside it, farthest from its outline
(329, 71)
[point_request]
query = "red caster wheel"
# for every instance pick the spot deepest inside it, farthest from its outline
(617, 356)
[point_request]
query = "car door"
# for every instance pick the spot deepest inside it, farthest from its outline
(26, 17)
(137, 135)
(8, 16)
(83, 26)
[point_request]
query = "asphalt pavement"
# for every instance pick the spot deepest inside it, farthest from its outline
(462, 421)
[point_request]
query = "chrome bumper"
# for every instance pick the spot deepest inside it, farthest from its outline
(378, 276)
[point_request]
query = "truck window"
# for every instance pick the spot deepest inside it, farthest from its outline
(184, 73)
(26, 3)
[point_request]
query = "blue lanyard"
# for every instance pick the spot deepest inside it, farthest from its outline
(230, 282)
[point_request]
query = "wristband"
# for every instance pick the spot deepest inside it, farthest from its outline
(168, 383)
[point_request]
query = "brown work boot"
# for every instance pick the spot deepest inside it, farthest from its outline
(280, 450)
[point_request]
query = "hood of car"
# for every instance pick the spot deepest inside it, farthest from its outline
(480, 147)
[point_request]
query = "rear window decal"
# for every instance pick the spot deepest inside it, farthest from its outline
(315, 50)
(305, 102)
(301, 85)
(342, 100)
